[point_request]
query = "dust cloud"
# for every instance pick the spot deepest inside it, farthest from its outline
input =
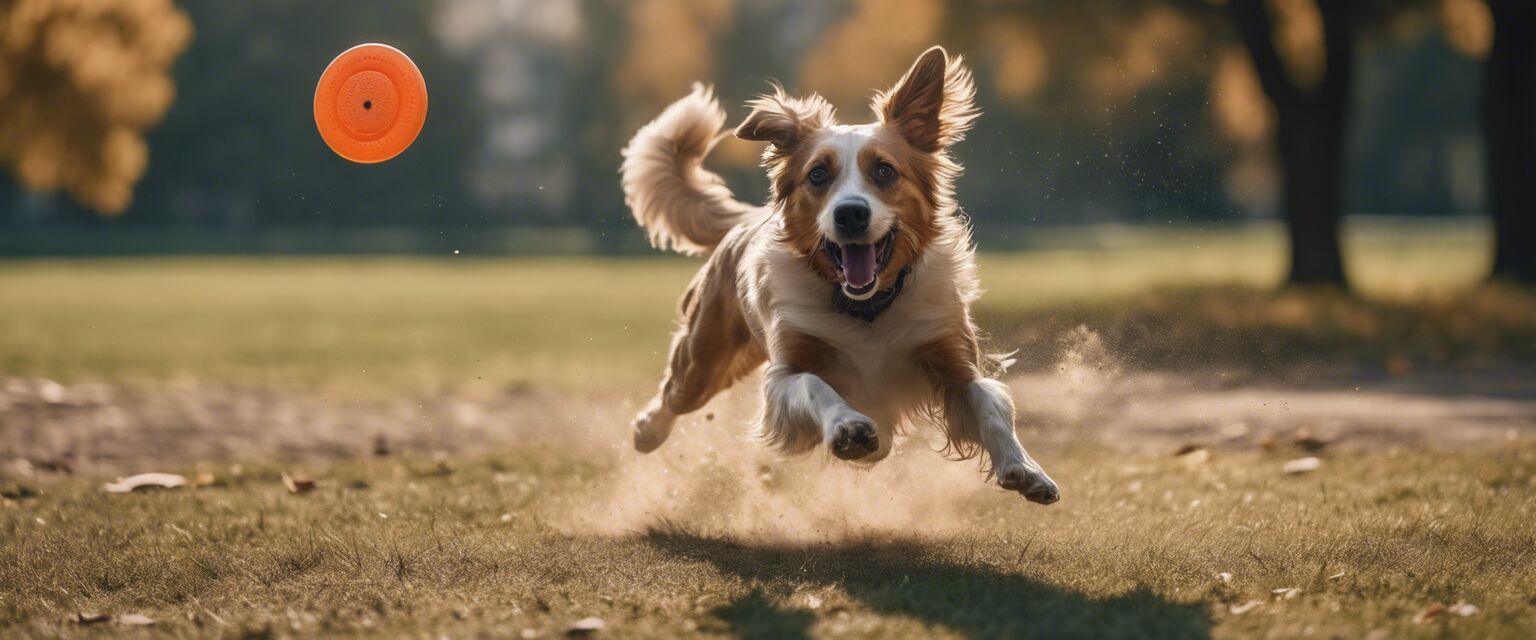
(713, 477)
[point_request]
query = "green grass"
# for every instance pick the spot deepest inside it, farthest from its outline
(1135, 549)
(428, 324)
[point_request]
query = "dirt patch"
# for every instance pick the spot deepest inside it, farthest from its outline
(107, 429)
(1156, 412)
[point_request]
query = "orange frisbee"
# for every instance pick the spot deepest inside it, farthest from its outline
(371, 103)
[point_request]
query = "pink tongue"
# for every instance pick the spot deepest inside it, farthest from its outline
(858, 264)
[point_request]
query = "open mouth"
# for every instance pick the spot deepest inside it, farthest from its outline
(859, 264)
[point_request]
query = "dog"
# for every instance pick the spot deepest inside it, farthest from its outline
(853, 284)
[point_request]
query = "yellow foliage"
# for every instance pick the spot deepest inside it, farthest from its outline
(870, 49)
(1143, 49)
(1298, 36)
(1023, 65)
(671, 45)
(1238, 103)
(80, 80)
(1468, 26)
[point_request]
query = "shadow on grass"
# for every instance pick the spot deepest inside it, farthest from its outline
(907, 579)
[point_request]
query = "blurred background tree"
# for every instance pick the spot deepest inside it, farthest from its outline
(1134, 111)
(80, 80)
(1509, 112)
(1303, 52)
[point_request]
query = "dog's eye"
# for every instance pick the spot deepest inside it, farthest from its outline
(885, 172)
(818, 176)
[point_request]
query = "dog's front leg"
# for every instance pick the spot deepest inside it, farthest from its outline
(983, 407)
(800, 410)
(978, 410)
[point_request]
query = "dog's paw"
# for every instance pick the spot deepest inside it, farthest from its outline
(854, 437)
(652, 428)
(1031, 482)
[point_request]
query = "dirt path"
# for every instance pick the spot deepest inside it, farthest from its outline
(105, 429)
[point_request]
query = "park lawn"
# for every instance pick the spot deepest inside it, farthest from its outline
(519, 544)
(426, 325)
(713, 535)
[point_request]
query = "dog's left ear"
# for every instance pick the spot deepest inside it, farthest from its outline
(933, 105)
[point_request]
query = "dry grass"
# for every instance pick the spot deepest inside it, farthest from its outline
(397, 547)
(712, 536)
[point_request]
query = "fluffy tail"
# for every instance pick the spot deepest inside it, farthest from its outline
(681, 205)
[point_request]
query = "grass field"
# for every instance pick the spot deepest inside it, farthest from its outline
(425, 324)
(713, 535)
(517, 541)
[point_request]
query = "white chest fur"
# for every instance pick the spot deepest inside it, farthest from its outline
(874, 364)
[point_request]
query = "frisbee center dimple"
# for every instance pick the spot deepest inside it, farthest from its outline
(368, 104)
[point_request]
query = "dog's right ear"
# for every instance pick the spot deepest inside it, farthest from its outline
(784, 121)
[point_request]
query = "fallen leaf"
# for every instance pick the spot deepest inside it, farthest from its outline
(298, 485)
(146, 481)
(1240, 609)
(1428, 613)
(1305, 439)
(1193, 457)
(1287, 593)
(585, 626)
(50, 392)
(134, 620)
(1463, 609)
(1302, 465)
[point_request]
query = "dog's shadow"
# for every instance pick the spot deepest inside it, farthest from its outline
(904, 579)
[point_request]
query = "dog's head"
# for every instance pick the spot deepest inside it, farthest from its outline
(862, 202)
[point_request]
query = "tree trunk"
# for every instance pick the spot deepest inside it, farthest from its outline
(1311, 195)
(1309, 135)
(1509, 127)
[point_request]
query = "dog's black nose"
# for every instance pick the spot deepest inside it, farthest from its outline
(851, 219)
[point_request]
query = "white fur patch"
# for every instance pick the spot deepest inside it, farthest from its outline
(852, 184)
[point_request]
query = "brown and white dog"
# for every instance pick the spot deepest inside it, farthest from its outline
(854, 284)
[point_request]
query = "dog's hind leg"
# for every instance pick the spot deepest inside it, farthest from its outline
(712, 349)
(979, 413)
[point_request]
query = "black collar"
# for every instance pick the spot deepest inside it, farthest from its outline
(870, 307)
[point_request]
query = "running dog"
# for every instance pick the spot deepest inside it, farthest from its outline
(853, 284)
